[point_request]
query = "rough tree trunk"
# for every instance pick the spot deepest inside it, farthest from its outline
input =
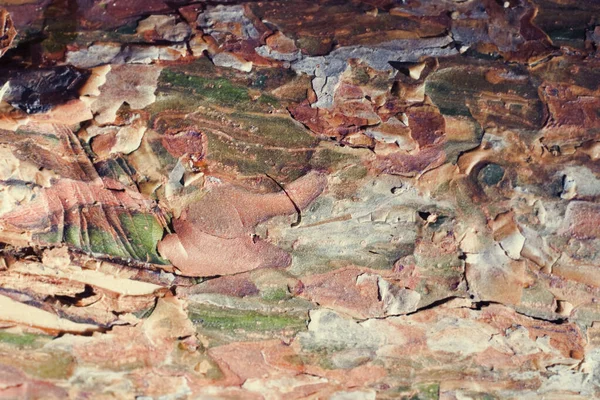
(299, 199)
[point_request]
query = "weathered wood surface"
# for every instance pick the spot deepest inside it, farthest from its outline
(300, 199)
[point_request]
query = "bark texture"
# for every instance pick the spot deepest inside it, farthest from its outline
(308, 199)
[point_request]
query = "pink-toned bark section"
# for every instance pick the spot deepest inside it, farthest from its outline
(215, 236)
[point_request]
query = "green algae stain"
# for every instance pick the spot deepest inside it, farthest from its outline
(143, 233)
(217, 318)
(22, 340)
(72, 236)
(216, 90)
(275, 294)
(104, 243)
(428, 392)
(206, 87)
